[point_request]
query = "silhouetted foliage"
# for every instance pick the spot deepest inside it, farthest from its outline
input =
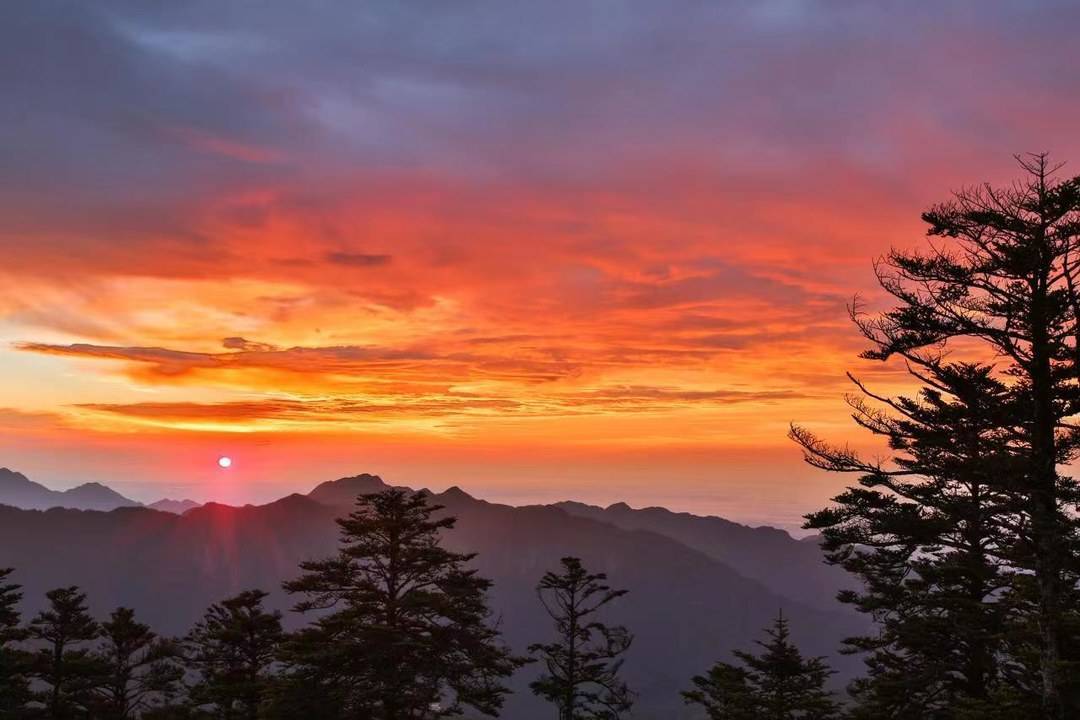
(777, 684)
(234, 649)
(725, 693)
(142, 671)
(1001, 282)
(406, 631)
(14, 662)
(582, 666)
(929, 537)
(65, 664)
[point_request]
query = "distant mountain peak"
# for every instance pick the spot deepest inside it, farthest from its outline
(9, 478)
(93, 487)
(97, 492)
(177, 507)
(361, 476)
(19, 491)
(344, 491)
(456, 492)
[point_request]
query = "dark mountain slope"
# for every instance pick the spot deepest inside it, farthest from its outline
(169, 567)
(686, 608)
(792, 568)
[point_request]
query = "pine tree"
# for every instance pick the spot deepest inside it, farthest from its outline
(142, 670)
(66, 665)
(234, 649)
(1002, 285)
(929, 536)
(777, 684)
(582, 665)
(407, 634)
(14, 683)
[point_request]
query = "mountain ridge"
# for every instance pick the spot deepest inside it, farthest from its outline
(687, 609)
(763, 553)
(177, 507)
(17, 490)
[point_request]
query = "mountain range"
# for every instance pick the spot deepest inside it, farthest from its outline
(766, 554)
(19, 491)
(699, 587)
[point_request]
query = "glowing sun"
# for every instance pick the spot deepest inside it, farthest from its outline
(224, 461)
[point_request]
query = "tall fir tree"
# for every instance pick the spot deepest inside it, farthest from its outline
(582, 666)
(1003, 282)
(64, 664)
(142, 671)
(777, 684)
(406, 631)
(14, 662)
(930, 536)
(234, 649)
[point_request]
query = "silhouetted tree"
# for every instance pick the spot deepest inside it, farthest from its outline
(1003, 282)
(725, 693)
(141, 670)
(234, 649)
(582, 665)
(14, 665)
(930, 537)
(777, 684)
(408, 632)
(65, 664)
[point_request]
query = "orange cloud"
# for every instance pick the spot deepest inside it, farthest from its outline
(631, 237)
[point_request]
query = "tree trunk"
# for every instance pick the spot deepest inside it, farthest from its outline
(1044, 524)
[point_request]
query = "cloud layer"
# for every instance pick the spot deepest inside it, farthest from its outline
(538, 224)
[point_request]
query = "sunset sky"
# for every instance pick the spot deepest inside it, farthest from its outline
(597, 250)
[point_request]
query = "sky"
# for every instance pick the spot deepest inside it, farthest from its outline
(592, 250)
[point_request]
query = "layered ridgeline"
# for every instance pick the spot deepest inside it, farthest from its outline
(19, 491)
(686, 607)
(772, 557)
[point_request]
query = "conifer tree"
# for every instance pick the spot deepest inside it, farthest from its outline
(582, 666)
(930, 537)
(14, 683)
(142, 671)
(724, 693)
(65, 664)
(777, 684)
(234, 649)
(407, 632)
(1001, 285)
